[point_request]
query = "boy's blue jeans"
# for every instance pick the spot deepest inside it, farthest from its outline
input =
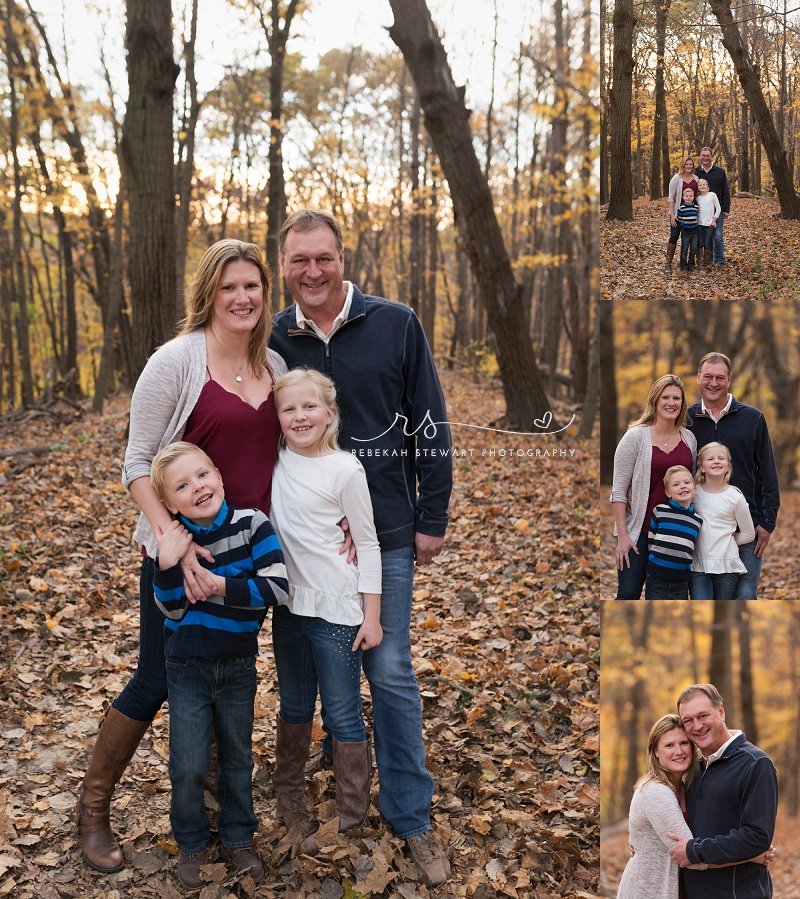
(311, 655)
(688, 248)
(655, 588)
(202, 692)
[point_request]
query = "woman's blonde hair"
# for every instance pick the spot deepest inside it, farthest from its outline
(659, 386)
(700, 477)
(685, 160)
(653, 769)
(202, 292)
(326, 392)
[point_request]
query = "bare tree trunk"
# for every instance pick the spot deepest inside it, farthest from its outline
(429, 297)
(746, 672)
(608, 391)
(659, 102)
(721, 663)
(447, 121)
(748, 78)
(620, 206)
(146, 153)
(184, 169)
(417, 251)
(277, 36)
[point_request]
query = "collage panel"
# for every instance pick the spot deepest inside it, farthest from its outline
(700, 720)
(711, 387)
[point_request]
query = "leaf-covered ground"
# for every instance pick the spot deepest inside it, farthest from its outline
(762, 256)
(785, 870)
(506, 646)
(780, 569)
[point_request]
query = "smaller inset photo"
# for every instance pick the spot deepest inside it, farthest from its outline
(700, 783)
(699, 166)
(699, 450)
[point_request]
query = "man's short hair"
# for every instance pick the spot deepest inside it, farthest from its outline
(308, 220)
(714, 358)
(708, 690)
(703, 149)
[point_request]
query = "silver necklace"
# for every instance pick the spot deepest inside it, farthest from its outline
(238, 375)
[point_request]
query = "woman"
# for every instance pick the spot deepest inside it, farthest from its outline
(658, 808)
(654, 443)
(212, 386)
(680, 181)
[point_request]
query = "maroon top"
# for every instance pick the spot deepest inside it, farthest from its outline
(692, 184)
(660, 464)
(241, 441)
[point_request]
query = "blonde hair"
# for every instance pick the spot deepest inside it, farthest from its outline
(685, 160)
(165, 457)
(700, 477)
(653, 769)
(202, 292)
(671, 472)
(659, 386)
(326, 393)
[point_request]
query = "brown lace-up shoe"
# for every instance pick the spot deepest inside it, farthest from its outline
(432, 863)
(245, 861)
(189, 869)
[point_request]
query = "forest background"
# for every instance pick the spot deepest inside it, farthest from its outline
(678, 76)
(259, 122)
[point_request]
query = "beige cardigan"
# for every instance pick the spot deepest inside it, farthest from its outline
(632, 462)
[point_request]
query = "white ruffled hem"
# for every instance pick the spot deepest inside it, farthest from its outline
(719, 566)
(336, 609)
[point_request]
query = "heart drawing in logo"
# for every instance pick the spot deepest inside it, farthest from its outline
(544, 423)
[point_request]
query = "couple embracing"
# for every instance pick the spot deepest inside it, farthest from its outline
(703, 815)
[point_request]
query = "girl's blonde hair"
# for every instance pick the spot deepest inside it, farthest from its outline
(166, 456)
(202, 292)
(653, 769)
(659, 386)
(326, 392)
(700, 477)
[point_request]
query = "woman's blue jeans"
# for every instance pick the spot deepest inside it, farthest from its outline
(202, 692)
(630, 581)
(146, 691)
(312, 655)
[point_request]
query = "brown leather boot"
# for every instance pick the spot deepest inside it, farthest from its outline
(116, 743)
(351, 770)
(670, 256)
(351, 773)
(292, 747)
(700, 259)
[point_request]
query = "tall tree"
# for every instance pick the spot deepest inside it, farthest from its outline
(447, 121)
(770, 139)
(620, 204)
(659, 170)
(146, 153)
(276, 31)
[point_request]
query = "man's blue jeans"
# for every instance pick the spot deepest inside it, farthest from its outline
(747, 585)
(146, 691)
(406, 788)
(202, 692)
(719, 243)
(312, 654)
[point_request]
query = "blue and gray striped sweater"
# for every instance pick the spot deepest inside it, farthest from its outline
(673, 533)
(247, 554)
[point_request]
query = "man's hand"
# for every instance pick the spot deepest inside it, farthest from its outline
(426, 547)
(678, 851)
(762, 539)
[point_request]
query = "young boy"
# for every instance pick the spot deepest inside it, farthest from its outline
(673, 531)
(687, 214)
(211, 650)
(709, 211)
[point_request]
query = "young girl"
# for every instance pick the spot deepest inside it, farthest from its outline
(333, 610)
(710, 211)
(723, 508)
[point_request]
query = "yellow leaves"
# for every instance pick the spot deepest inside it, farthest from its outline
(521, 524)
(38, 585)
(168, 846)
(36, 720)
(430, 622)
(476, 714)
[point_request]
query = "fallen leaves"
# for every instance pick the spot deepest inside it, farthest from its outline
(505, 648)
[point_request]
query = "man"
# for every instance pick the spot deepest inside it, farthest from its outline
(731, 804)
(743, 429)
(717, 184)
(394, 420)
